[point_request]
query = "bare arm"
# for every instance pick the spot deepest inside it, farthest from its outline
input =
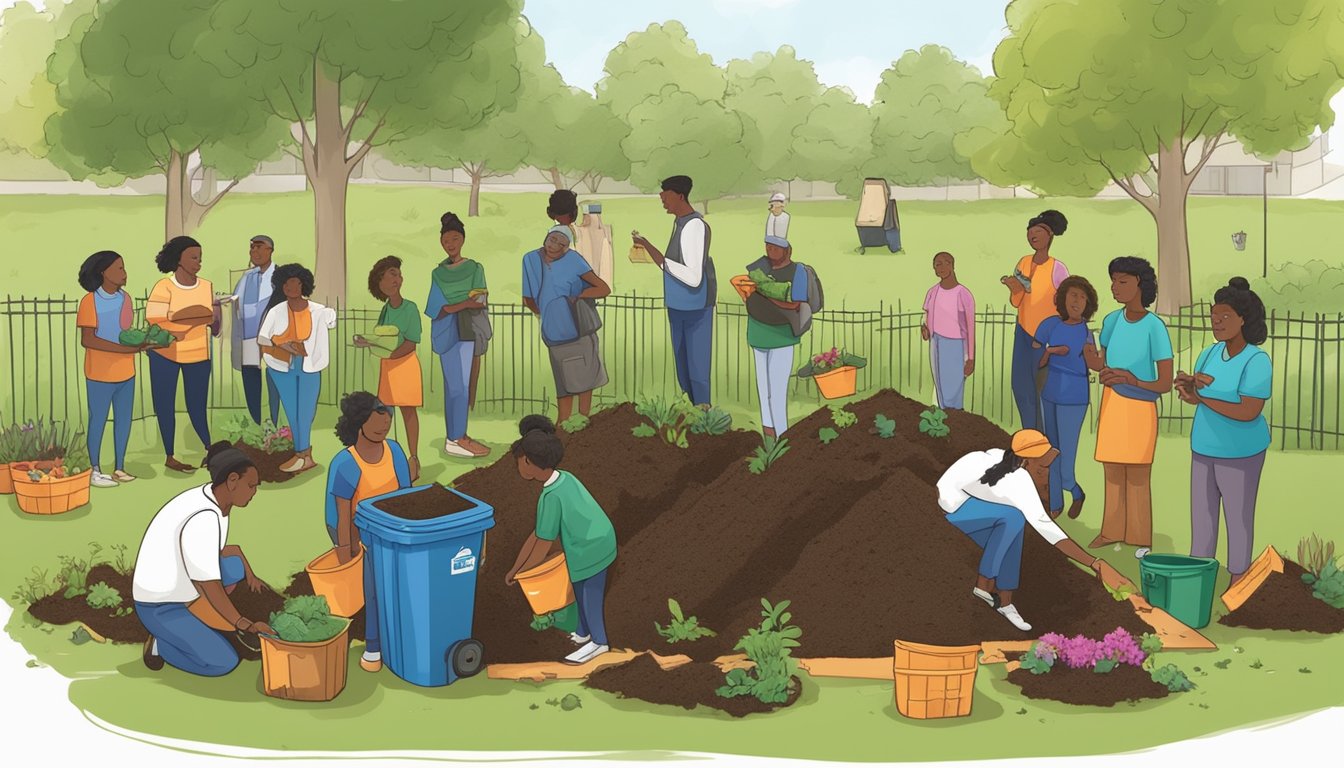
(531, 304)
(89, 340)
(347, 536)
(534, 552)
(406, 348)
(1078, 554)
(214, 594)
(1247, 409)
(597, 287)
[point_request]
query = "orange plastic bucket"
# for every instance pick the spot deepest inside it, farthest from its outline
(342, 585)
(547, 587)
(6, 482)
(842, 382)
(934, 681)
(744, 285)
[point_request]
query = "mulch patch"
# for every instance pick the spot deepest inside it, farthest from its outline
(434, 501)
(1284, 601)
(1084, 686)
(268, 464)
(687, 686)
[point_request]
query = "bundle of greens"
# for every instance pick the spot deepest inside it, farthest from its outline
(155, 335)
(769, 287)
(306, 619)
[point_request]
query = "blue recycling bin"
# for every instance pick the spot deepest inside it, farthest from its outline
(424, 574)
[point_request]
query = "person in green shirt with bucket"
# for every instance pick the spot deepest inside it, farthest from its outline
(568, 517)
(778, 315)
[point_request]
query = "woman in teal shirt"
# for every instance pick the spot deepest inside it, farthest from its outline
(1232, 380)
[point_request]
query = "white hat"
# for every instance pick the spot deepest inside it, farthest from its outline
(778, 197)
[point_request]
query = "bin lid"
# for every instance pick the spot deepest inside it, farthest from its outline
(480, 517)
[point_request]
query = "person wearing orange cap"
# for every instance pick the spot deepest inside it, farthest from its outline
(991, 496)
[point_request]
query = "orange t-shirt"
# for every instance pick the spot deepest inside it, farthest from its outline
(1034, 307)
(299, 329)
(100, 366)
(169, 297)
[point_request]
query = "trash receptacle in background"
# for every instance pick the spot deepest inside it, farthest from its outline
(424, 573)
(1181, 586)
(1239, 240)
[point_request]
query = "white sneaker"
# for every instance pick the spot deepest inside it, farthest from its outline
(577, 639)
(983, 595)
(586, 654)
(99, 480)
(451, 448)
(1010, 613)
(1142, 552)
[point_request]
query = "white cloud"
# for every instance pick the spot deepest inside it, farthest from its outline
(740, 7)
(860, 74)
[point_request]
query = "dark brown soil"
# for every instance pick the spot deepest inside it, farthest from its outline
(1285, 602)
(301, 584)
(1083, 686)
(435, 501)
(268, 464)
(687, 686)
(849, 532)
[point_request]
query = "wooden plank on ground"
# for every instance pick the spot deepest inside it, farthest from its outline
(882, 668)
(1175, 635)
(998, 651)
(542, 671)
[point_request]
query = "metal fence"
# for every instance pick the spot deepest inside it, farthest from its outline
(45, 361)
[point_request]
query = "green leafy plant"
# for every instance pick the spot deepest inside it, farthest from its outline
(829, 361)
(1328, 587)
(102, 596)
(306, 619)
(13, 442)
(576, 423)
(1150, 644)
(643, 430)
(35, 587)
(1171, 676)
(884, 427)
(1120, 594)
(843, 419)
(711, 421)
(766, 455)
(265, 437)
(74, 571)
(682, 628)
(119, 563)
(933, 423)
(769, 287)
(671, 419)
(1037, 663)
(1313, 554)
(1224, 664)
(770, 648)
(827, 435)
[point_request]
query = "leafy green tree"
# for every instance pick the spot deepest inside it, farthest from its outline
(773, 95)
(1142, 94)
(925, 101)
(834, 142)
(593, 136)
(639, 66)
(352, 76)
(27, 97)
(134, 101)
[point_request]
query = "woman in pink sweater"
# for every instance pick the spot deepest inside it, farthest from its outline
(949, 327)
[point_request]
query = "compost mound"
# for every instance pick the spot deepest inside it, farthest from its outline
(436, 501)
(1084, 686)
(1284, 601)
(850, 532)
(688, 686)
(268, 464)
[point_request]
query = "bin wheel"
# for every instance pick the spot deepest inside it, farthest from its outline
(467, 658)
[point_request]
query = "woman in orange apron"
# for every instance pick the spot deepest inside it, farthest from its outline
(400, 384)
(371, 465)
(1135, 368)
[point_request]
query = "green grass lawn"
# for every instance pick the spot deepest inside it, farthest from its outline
(836, 719)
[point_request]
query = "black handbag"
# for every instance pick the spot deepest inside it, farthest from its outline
(586, 319)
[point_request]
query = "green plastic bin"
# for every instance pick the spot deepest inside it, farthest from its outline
(1181, 586)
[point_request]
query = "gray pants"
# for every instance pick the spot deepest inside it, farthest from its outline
(1234, 482)
(948, 359)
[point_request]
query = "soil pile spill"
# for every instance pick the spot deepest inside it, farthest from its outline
(687, 686)
(1084, 686)
(1284, 601)
(268, 464)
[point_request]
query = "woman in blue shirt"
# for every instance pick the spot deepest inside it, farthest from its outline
(1229, 388)
(555, 278)
(1064, 398)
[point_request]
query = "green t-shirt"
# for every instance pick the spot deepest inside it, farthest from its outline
(566, 511)
(406, 318)
(765, 336)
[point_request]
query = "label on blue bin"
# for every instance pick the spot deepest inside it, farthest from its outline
(463, 562)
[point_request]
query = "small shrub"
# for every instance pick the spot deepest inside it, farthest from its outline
(576, 423)
(35, 587)
(1171, 676)
(1313, 554)
(306, 619)
(843, 419)
(643, 430)
(827, 435)
(267, 438)
(1120, 595)
(885, 428)
(682, 627)
(770, 648)
(671, 419)
(932, 423)
(1040, 659)
(765, 457)
(1328, 587)
(1079, 652)
(101, 596)
(119, 562)
(712, 421)
(74, 572)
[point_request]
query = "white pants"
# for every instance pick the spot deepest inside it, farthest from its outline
(773, 369)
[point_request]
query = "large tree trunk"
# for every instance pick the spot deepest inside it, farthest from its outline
(329, 172)
(556, 180)
(474, 206)
(176, 193)
(1173, 243)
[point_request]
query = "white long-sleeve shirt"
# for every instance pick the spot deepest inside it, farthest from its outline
(777, 226)
(692, 252)
(961, 481)
(316, 347)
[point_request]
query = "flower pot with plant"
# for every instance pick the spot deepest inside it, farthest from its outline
(835, 372)
(51, 468)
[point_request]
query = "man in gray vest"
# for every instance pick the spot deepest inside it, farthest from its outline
(250, 299)
(689, 288)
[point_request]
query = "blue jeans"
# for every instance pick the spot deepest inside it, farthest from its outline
(591, 594)
(1063, 425)
(949, 370)
(298, 394)
(119, 397)
(1026, 369)
(372, 641)
(252, 391)
(693, 347)
(184, 640)
(163, 392)
(998, 529)
(456, 364)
